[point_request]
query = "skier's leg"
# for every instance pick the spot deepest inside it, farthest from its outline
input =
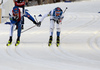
(52, 23)
(11, 34)
(18, 34)
(58, 27)
(51, 32)
(17, 41)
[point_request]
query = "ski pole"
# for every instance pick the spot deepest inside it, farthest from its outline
(28, 29)
(35, 18)
(65, 9)
(5, 16)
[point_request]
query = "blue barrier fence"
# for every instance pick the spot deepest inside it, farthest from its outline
(67, 1)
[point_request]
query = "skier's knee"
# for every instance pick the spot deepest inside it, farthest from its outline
(51, 29)
(58, 29)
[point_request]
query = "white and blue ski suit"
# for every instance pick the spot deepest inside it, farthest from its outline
(17, 22)
(54, 18)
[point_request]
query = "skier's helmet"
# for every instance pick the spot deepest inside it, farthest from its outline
(15, 11)
(58, 11)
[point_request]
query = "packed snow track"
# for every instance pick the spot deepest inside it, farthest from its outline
(79, 48)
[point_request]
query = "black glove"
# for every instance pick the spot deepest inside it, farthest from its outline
(15, 18)
(38, 24)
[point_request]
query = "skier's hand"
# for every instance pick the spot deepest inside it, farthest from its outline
(60, 20)
(38, 24)
(15, 18)
(8, 23)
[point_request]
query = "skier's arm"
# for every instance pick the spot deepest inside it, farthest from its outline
(13, 21)
(60, 19)
(44, 16)
(30, 17)
(12, 18)
(39, 23)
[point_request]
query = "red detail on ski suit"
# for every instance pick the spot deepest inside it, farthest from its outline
(20, 4)
(19, 14)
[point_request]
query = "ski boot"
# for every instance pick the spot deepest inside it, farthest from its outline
(17, 42)
(9, 42)
(58, 41)
(50, 41)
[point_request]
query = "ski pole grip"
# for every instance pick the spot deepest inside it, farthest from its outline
(5, 16)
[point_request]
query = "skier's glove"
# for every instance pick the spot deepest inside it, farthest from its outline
(60, 20)
(38, 24)
(8, 23)
(15, 18)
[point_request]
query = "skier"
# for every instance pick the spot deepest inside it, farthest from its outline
(21, 4)
(15, 17)
(55, 16)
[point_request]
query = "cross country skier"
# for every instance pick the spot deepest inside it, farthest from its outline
(15, 17)
(55, 16)
(21, 4)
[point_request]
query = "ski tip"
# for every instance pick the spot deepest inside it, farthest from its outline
(8, 44)
(57, 45)
(16, 44)
(49, 45)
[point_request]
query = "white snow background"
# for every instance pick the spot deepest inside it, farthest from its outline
(80, 40)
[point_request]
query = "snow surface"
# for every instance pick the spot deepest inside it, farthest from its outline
(80, 41)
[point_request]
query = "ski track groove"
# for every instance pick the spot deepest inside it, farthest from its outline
(80, 27)
(18, 53)
(93, 21)
(93, 40)
(54, 49)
